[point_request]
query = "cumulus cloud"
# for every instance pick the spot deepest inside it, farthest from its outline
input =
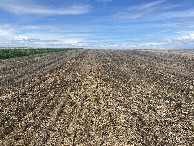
(6, 34)
(177, 43)
(184, 41)
(20, 37)
(32, 42)
(10, 35)
(186, 35)
(10, 38)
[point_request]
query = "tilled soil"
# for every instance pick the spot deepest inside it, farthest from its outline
(98, 97)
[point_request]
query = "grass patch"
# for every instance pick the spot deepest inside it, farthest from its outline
(19, 52)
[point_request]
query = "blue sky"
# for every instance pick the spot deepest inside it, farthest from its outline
(115, 24)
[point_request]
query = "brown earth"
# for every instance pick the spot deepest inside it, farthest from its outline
(98, 97)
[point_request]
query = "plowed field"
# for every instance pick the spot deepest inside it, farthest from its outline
(98, 97)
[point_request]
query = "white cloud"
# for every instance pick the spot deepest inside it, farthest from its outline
(186, 35)
(154, 15)
(11, 35)
(184, 42)
(6, 34)
(153, 10)
(20, 37)
(30, 42)
(176, 14)
(10, 27)
(17, 7)
(146, 5)
(39, 27)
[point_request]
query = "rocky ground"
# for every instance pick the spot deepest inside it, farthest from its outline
(98, 97)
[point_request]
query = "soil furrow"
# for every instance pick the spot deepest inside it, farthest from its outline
(102, 97)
